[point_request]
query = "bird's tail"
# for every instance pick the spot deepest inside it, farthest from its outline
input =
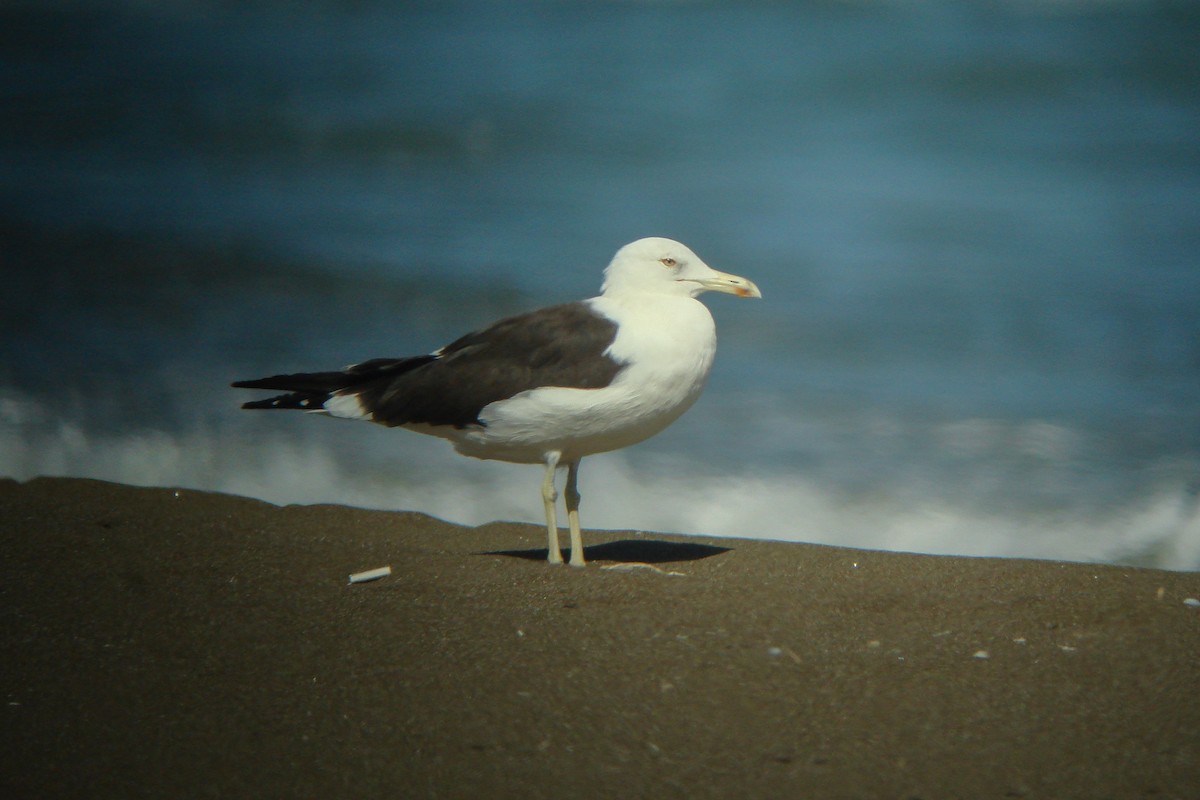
(312, 391)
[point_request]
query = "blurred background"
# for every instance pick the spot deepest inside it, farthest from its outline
(976, 226)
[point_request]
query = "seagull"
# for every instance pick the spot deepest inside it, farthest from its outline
(550, 386)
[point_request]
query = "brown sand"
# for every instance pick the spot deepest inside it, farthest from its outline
(181, 644)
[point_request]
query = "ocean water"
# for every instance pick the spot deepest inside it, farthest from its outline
(976, 226)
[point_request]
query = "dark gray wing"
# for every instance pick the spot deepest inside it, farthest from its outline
(556, 346)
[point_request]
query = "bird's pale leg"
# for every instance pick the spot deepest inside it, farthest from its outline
(549, 498)
(572, 499)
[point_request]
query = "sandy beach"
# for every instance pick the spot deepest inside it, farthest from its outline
(164, 643)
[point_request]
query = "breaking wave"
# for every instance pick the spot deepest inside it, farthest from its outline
(343, 463)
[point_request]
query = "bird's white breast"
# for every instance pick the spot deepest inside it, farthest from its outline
(668, 344)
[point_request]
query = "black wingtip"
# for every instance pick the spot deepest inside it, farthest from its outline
(298, 401)
(259, 383)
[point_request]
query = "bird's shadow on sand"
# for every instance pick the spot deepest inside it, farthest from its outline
(629, 551)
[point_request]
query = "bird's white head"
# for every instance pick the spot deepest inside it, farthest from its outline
(663, 266)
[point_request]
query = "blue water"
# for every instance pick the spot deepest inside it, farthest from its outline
(976, 227)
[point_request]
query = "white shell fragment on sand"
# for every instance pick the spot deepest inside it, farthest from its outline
(1192, 602)
(371, 575)
(634, 566)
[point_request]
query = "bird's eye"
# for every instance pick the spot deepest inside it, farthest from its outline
(667, 261)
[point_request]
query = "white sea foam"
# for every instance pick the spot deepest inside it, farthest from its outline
(1160, 527)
